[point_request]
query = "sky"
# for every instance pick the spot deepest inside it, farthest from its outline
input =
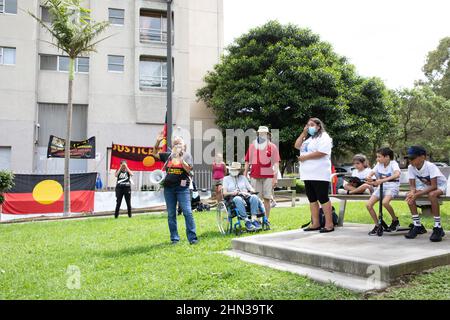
(388, 39)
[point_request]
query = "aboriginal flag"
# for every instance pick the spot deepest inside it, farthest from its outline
(35, 193)
(164, 142)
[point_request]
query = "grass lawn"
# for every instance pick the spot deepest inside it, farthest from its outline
(132, 259)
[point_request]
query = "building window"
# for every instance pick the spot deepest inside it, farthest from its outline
(153, 26)
(61, 63)
(45, 15)
(116, 63)
(82, 65)
(116, 16)
(152, 73)
(8, 6)
(5, 158)
(7, 56)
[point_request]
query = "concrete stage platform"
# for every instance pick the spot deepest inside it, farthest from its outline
(348, 257)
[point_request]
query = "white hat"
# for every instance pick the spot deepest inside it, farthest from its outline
(263, 129)
(235, 166)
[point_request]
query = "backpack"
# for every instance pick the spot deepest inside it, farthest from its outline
(322, 218)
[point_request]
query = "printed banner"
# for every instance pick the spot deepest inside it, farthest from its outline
(138, 158)
(45, 194)
(78, 149)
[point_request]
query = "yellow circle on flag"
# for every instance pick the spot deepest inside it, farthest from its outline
(148, 161)
(47, 191)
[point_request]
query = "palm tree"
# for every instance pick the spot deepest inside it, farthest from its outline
(75, 34)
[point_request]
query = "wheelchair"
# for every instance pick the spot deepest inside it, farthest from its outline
(228, 220)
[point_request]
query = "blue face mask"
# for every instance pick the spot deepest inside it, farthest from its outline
(261, 139)
(312, 131)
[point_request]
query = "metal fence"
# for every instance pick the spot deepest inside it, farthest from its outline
(203, 179)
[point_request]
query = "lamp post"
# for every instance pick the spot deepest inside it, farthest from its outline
(169, 73)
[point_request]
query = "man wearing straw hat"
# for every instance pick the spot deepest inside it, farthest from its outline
(237, 188)
(262, 159)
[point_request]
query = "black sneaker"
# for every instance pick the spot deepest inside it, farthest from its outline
(394, 225)
(374, 231)
(414, 231)
(437, 234)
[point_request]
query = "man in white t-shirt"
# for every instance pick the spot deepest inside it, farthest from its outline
(425, 178)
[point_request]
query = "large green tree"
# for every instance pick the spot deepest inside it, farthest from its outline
(281, 75)
(423, 119)
(437, 68)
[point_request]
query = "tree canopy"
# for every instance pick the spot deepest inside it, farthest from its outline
(281, 75)
(422, 119)
(437, 68)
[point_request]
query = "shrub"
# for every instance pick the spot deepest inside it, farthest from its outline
(6, 183)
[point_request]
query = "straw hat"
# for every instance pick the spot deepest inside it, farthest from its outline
(234, 166)
(263, 129)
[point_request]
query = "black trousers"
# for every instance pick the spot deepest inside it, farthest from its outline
(123, 191)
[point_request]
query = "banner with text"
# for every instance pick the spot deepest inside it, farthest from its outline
(78, 149)
(138, 158)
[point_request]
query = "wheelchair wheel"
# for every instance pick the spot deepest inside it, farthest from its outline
(223, 220)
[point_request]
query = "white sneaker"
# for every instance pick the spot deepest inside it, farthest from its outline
(273, 203)
(342, 191)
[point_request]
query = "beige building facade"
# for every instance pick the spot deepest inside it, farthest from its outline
(119, 91)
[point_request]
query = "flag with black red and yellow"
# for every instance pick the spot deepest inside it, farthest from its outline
(36, 193)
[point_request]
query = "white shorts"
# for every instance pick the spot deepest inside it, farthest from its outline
(387, 191)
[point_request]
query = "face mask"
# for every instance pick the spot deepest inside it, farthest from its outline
(261, 139)
(234, 173)
(312, 131)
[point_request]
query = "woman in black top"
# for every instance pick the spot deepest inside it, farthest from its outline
(123, 187)
(178, 165)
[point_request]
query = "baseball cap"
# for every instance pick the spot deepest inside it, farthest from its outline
(416, 151)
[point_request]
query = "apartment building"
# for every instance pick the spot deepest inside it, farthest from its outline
(119, 91)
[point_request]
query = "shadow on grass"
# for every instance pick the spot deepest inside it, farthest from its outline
(135, 250)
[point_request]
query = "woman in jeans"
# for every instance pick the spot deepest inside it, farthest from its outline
(178, 166)
(315, 170)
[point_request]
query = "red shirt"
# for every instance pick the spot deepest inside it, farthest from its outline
(262, 161)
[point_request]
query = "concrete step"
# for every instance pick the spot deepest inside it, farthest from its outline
(343, 280)
(349, 250)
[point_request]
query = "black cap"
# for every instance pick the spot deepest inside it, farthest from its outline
(416, 151)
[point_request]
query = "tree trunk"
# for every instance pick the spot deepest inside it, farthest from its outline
(68, 138)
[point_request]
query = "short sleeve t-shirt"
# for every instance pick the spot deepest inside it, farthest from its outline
(262, 158)
(123, 179)
(425, 174)
(382, 172)
(316, 169)
(175, 171)
(361, 174)
(241, 183)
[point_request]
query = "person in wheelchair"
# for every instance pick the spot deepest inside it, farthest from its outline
(237, 191)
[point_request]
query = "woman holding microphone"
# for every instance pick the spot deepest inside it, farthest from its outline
(178, 165)
(315, 170)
